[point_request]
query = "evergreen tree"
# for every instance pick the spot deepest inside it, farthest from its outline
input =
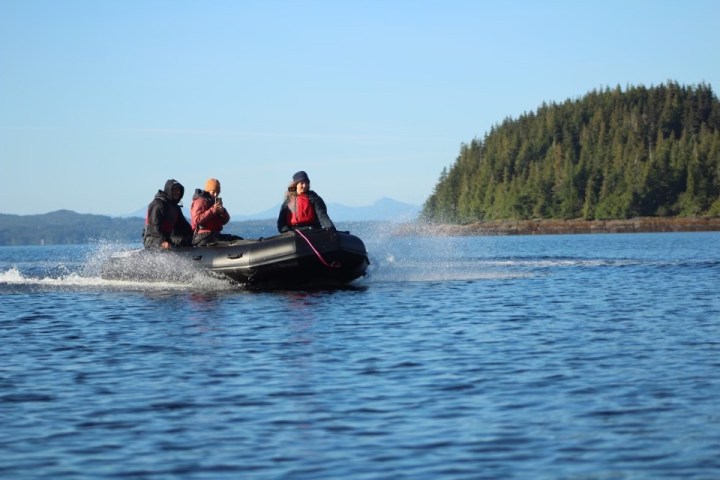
(611, 154)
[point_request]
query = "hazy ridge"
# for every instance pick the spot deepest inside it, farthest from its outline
(68, 227)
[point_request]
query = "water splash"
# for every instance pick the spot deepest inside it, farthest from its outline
(85, 272)
(414, 252)
(399, 254)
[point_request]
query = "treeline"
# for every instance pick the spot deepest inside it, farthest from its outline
(65, 227)
(611, 154)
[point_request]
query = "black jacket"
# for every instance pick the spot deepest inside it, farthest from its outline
(165, 220)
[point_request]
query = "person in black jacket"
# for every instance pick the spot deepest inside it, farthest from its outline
(165, 224)
(302, 207)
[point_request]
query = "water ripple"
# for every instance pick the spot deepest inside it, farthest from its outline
(580, 357)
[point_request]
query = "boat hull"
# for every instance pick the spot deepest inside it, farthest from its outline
(311, 258)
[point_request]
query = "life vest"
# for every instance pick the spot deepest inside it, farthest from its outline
(301, 211)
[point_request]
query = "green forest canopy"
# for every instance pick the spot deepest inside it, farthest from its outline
(611, 154)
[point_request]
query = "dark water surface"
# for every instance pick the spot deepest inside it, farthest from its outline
(570, 357)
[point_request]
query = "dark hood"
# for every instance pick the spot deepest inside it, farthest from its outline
(199, 192)
(169, 185)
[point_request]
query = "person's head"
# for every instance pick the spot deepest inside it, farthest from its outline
(212, 186)
(300, 183)
(174, 190)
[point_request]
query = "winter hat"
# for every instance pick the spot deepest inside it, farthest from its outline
(172, 184)
(212, 185)
(301, 176)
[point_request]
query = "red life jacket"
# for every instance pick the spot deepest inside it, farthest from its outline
(301, 211)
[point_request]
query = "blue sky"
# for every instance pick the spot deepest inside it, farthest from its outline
(102, 101)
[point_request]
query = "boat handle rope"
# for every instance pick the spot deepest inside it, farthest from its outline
(322, 260)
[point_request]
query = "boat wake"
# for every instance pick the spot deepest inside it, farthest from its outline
(400, 269)
(392, 269)
(447, 259)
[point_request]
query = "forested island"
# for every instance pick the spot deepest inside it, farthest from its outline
(611, 155)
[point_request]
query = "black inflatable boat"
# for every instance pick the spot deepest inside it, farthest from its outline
(297, 259)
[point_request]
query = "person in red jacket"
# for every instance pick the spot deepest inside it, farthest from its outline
(208, 215)
(302, 207)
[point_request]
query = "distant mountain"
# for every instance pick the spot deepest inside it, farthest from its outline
(384, 210)
(68, 227)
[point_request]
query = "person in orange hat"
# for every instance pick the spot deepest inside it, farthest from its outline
(208, 216)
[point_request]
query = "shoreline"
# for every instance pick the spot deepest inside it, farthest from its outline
(564, 227)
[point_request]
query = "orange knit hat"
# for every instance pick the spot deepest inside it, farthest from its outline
(212, 185)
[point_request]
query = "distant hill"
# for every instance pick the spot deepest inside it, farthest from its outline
(383, 210)
(68, 227)
(65, 227)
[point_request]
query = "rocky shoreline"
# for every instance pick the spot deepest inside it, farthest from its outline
(555, 227)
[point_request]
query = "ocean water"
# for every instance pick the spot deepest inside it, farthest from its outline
(544, 357)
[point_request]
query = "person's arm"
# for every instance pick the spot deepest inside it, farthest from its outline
(224, 215)
(321, 212)
(156, 214)
(282, 221)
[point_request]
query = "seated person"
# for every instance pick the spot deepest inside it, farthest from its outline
(165, 224)
(208, 215)
(302, 207)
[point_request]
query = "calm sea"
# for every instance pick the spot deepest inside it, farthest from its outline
(543, 357)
